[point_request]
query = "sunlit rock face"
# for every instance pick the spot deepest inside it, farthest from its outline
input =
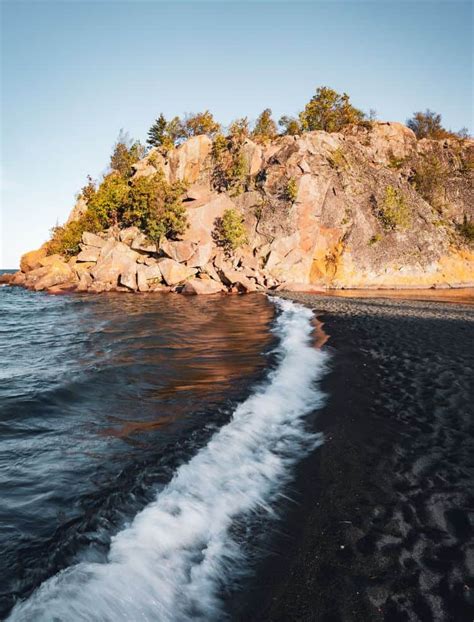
(355, 209)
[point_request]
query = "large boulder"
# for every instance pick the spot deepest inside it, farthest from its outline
(202, 286)
(238, 279)
(150, 164)
(187, 162)
(179, 250)
(143, 244)
(54, 273)
(128, 276)
(88, 253)
(202, 220)
(129, 234)
(148, 275)
(201, 256)
(174, 272)
(253, 155)
(91, 239)
(32, 259)
(115, 260)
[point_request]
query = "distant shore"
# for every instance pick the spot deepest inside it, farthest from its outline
(380, 529)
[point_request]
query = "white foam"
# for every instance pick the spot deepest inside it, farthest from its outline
(172, 561)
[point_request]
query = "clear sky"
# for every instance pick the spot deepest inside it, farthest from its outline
(74, 73)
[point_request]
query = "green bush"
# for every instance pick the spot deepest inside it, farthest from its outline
(230, 230)
(329, 111)
(429, 179)
(125, 154)
(428, 125)
(155, 207)
(337, 159)
(265, 127)
(290, 126)
(291, 190)
(393, 210)
(150, 203)
(106, 203)
(65, 239)
(201, 123)
(230, 171)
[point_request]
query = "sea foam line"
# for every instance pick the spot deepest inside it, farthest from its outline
(171, 562)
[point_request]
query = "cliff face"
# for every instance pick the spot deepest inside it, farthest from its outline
(363, 208)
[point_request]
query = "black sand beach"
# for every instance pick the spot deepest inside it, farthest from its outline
(383, 524)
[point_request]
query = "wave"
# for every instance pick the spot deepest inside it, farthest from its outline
(173, 561)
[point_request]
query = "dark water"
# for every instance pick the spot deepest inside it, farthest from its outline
(140, 439)
(101, 398)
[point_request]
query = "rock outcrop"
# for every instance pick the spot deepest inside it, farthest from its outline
(365, 210)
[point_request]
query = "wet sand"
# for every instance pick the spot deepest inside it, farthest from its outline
(382, 524)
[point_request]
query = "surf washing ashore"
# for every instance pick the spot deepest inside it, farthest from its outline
(187, 547)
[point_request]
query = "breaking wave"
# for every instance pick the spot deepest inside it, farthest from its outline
(173, 561)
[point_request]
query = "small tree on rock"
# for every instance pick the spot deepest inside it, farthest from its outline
(265, 127)
(201, 123)
(428, 125)
(157, 132)
(290, 126)
(329, 111)
(126, 152)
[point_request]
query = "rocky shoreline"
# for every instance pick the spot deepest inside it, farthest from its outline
(365, 207)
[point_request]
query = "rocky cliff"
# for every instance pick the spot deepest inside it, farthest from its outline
(367, 207)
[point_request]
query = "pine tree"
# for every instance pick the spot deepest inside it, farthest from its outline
(157, 132)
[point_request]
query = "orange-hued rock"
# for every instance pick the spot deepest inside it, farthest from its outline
(202, 220)
(173, 272)
(314, 210)
(116, 260)
(32, 259)
(239, 279)
(89, 254)
(91, 239)
(202, 286)
(56, 272)
(188, 161)
(179, 250)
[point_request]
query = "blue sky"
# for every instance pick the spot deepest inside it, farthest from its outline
(74, 73)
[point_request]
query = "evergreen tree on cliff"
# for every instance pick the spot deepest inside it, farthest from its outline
(157, 132)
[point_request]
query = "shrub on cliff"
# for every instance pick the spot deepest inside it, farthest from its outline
(290, 126)
(239, 130)
(430, 178)
(201, 123)
(230, 230)
(65, 239)
(230, 169)
(290, 192)
(106, 203)
(329, 111)
(265, 127)
(393, 211)
(167, 134)
(155, 207)
(428, 125)
(125, 153)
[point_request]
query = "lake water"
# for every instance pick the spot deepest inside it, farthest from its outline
(144, 441)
